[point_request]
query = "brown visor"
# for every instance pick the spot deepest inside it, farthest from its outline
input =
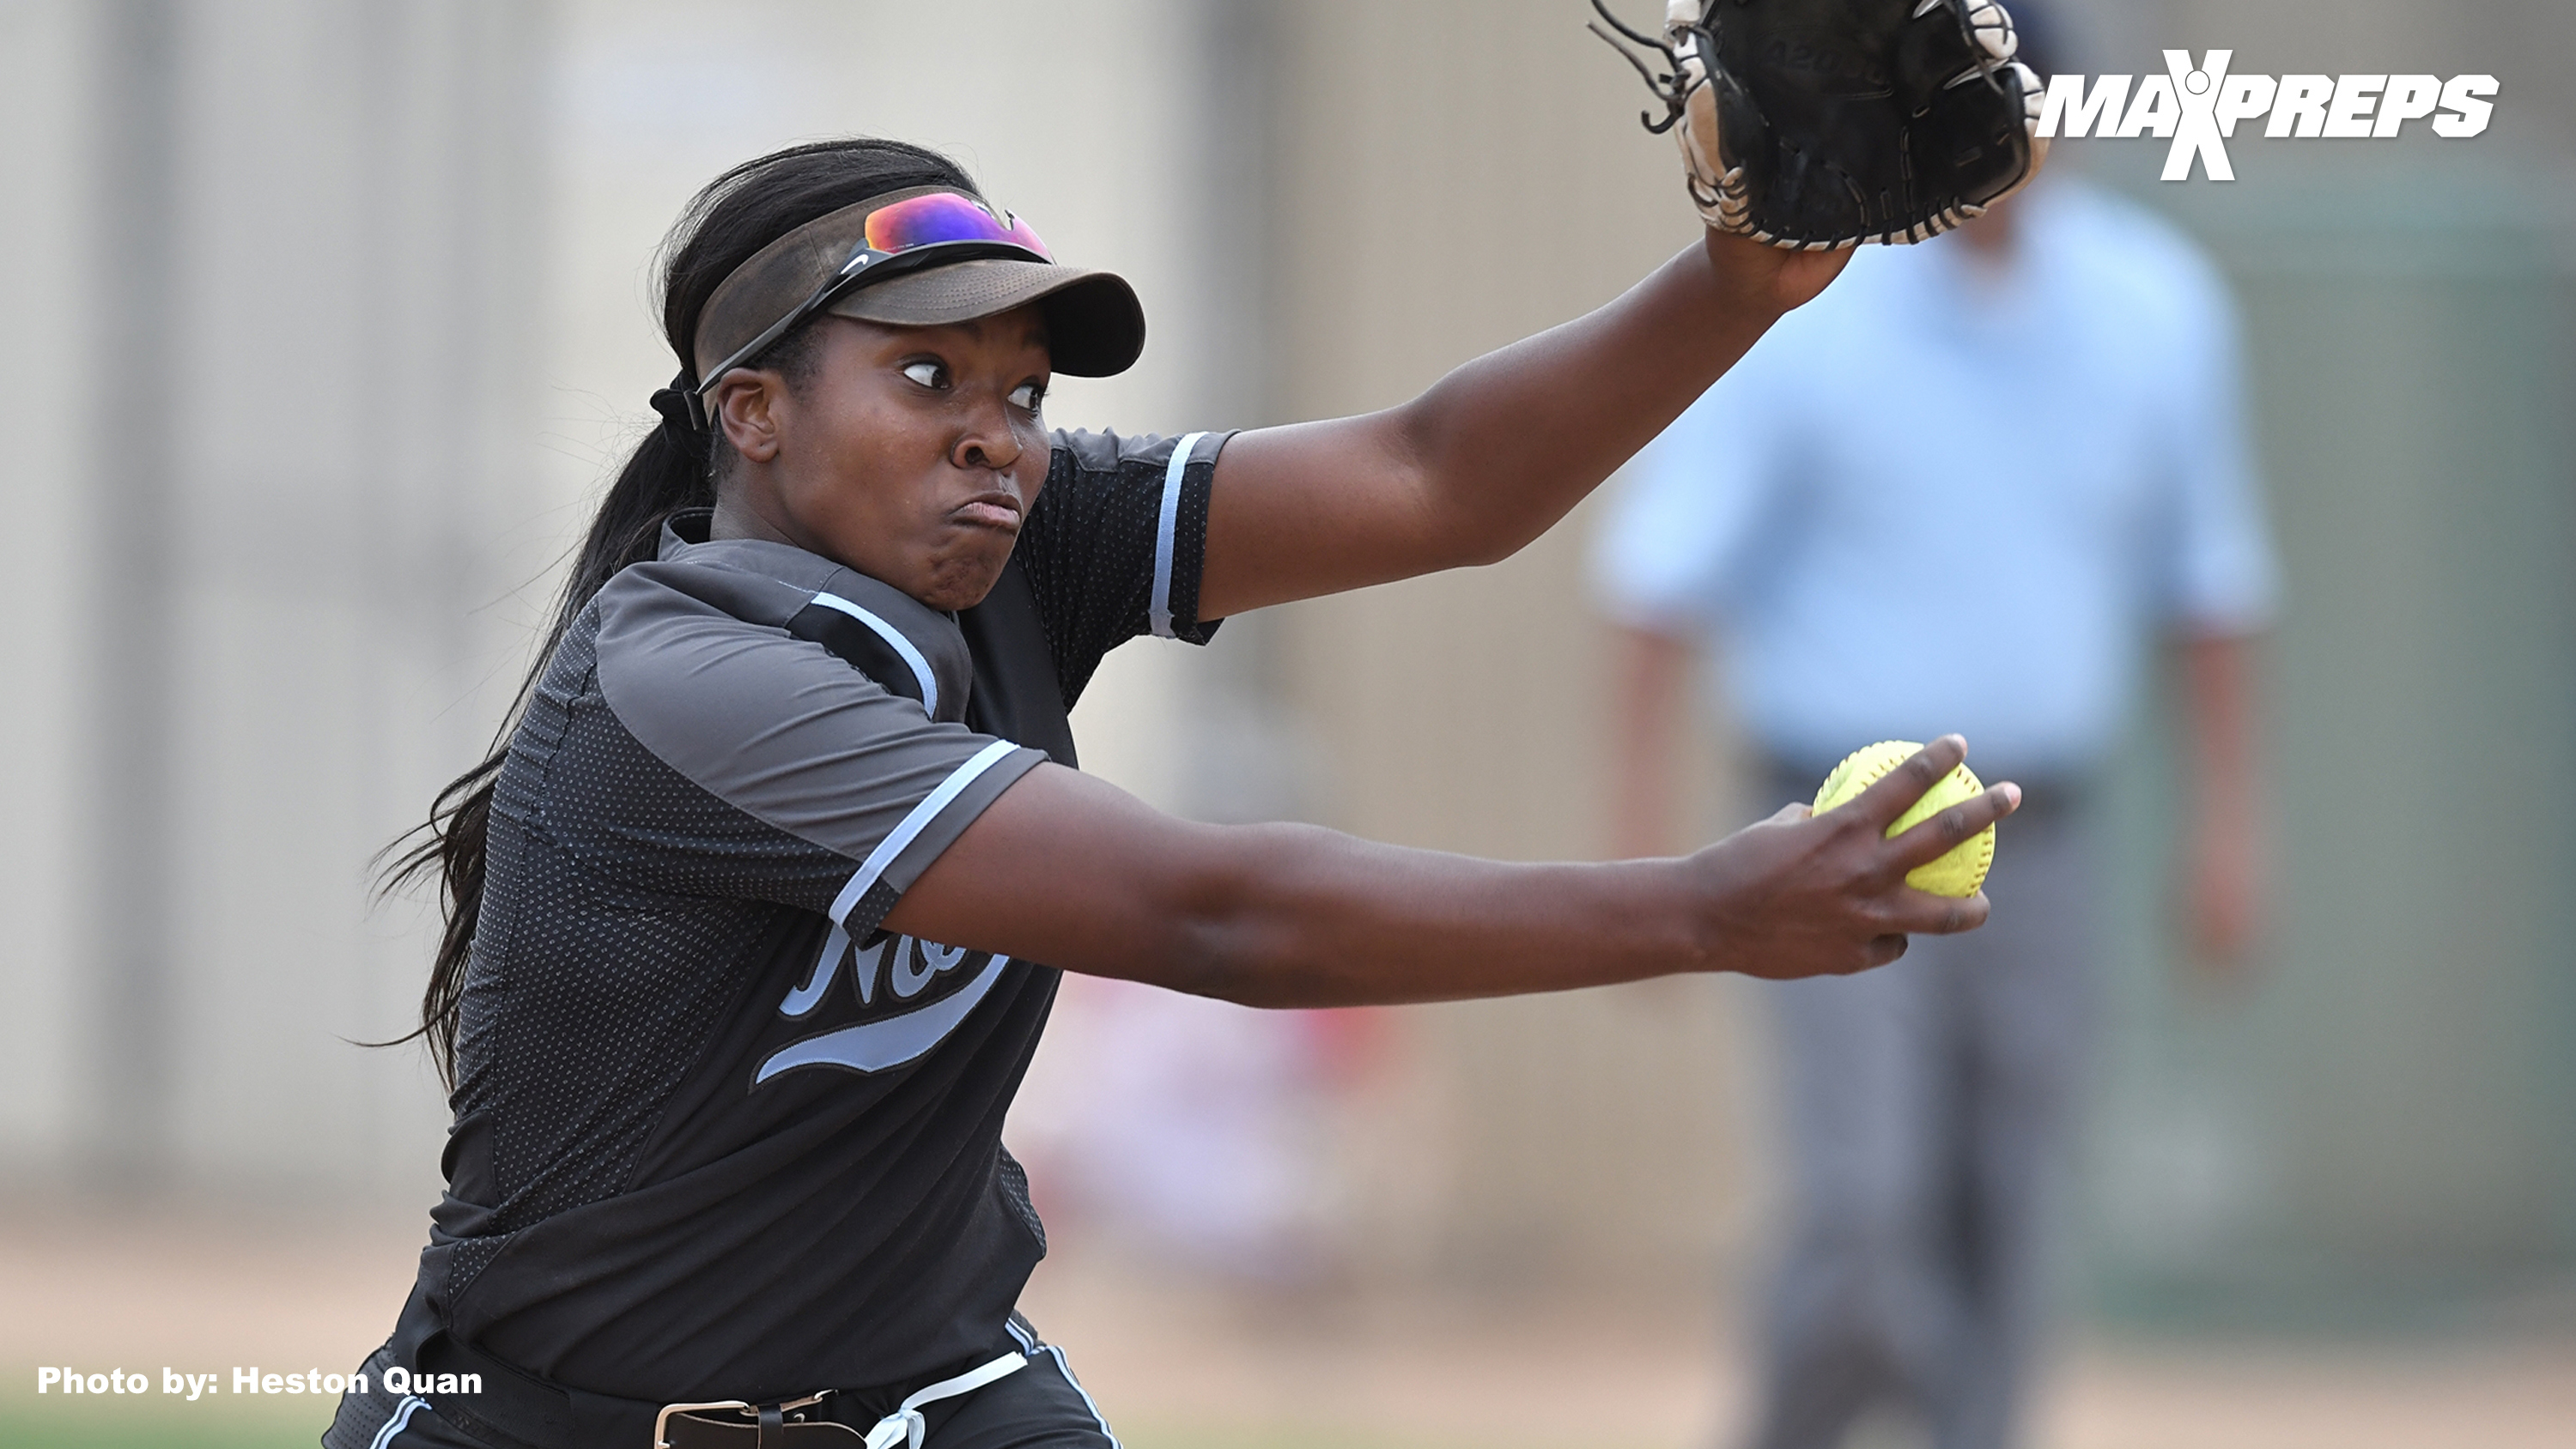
(918, 258)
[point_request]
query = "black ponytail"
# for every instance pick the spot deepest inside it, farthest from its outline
(673, 469)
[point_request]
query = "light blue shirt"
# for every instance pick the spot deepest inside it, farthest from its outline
(1946, 496)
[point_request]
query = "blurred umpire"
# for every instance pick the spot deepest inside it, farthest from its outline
(1796, 523)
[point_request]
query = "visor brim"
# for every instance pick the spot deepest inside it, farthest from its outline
(1095, 325)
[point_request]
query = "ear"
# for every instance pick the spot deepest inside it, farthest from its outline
(746, 401)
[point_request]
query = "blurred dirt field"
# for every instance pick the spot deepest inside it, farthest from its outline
(1179, 1364)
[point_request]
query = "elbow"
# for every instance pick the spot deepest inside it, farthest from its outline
(1225, 932)
(1227, 957)
(1458, 521)
(1465, 527)
(1487, 547)
(1465, 531)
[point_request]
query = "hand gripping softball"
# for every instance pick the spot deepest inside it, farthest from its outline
(1821, 124)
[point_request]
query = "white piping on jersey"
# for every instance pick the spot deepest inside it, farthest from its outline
(1160, 611)
(1087, 1401)
(893, 637)
(888, 1042)
(902, 836)
(402, 1416)
(798, 1001)
(1028, 1344)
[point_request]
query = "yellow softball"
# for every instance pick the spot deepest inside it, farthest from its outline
(1958, 873)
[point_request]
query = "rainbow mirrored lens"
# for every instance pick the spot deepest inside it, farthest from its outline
(944, 216)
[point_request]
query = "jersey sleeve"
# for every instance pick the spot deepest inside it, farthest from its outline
(1114, 545)
(734, 758)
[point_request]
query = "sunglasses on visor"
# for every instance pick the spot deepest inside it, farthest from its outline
(901, 236)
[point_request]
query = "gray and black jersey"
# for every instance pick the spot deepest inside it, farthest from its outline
(717, 1134)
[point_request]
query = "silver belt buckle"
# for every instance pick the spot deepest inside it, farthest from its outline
(662, 1420)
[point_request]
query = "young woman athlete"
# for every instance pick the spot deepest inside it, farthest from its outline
(744, 921)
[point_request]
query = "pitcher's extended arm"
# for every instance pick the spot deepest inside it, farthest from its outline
(1068, 870)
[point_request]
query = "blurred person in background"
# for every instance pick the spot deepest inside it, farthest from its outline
(2054, 395)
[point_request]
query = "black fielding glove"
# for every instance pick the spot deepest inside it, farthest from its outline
(1821, 124)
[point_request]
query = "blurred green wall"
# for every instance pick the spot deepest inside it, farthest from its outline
(2380, 1127)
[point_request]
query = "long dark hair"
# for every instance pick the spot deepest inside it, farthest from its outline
(737, 214)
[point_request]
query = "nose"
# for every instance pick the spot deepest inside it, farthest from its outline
(987, 440)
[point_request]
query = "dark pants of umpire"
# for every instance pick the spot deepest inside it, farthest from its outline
(1928, 1106)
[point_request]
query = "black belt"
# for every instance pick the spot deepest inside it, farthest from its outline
(518, 1410)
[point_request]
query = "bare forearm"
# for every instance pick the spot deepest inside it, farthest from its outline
(2226, 870)
(1498, 450)
(1289, 915)
(1068, 870)
(1510, 442)
(2218, 686)
(1285, 915)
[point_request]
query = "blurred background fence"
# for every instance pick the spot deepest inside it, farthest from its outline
(2381, 1126)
